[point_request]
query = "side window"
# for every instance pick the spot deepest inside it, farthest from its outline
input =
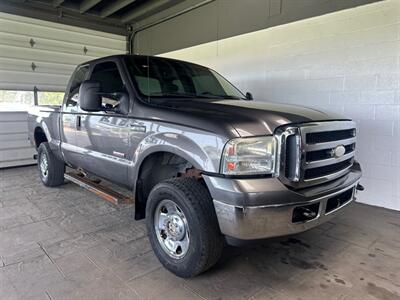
(108, 75)
(76, 80)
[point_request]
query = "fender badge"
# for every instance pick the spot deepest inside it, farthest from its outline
(119, 154)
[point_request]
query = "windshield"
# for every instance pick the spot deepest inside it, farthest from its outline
(164, 78)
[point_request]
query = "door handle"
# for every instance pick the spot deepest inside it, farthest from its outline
(78, 122)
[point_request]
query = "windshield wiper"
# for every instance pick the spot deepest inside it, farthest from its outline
(232, 97)
(205, 95)
(172, 95)
(211, 95)
(178, 95)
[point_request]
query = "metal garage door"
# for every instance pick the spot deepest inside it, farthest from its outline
(36, 54)
(43, 54)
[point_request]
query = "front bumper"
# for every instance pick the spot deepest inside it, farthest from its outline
(249, 209)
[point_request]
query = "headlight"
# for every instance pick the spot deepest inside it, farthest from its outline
(249, 156)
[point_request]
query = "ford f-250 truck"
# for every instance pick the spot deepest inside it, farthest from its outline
(204, 163)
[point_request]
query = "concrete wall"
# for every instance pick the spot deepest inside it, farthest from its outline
(347, 62)
(221, 19)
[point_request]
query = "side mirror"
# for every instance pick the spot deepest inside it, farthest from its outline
(89, 98)
(249, 96)
(123, 105)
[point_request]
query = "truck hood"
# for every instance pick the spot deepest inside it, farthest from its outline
(248, 118)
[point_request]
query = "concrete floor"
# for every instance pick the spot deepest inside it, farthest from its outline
(65, 243)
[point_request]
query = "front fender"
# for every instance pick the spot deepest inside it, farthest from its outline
(203, 151)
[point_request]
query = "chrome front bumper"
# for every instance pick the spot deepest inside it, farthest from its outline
(259, 222)
(269, 216)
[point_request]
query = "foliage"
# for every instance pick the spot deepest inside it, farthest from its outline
(20, 97)
(50, 98)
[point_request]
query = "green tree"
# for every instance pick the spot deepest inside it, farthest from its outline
(50, 98)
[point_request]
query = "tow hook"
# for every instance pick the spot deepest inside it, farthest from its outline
(309, 214)
(359, 187)
(305, 213)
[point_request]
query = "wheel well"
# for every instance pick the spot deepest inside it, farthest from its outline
(158, 167)
(39, 136)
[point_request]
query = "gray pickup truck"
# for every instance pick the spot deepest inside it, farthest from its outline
(204, 163)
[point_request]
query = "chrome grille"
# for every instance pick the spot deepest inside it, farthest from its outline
(307, 152)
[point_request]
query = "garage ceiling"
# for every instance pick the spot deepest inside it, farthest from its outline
(103, 15)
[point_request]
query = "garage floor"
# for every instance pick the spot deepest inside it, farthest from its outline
(65, 243)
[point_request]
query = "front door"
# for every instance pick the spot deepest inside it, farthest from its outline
(103, 137)
(70, 117)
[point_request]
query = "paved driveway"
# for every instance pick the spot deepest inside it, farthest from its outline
(66, 243)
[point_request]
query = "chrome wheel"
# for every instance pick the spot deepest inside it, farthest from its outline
(172, 229)
(44, 165)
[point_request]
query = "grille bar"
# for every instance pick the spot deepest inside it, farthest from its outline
(329, 136)
(329, 161)
(333, 144)
(326, 153)
(327, 178)
(293, 144)
(328, 170)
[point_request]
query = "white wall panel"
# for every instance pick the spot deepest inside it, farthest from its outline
(15, 148)
(55, 50)
(345, 62)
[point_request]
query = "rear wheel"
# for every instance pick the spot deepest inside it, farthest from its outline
(183, 228)
(51, 169)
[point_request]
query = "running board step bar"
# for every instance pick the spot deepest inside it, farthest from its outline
(100, 190)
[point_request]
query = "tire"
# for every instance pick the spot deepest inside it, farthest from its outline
(196, 210)
(54, 175)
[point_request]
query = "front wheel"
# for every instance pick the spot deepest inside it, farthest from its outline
(51, 169)
(183, 228)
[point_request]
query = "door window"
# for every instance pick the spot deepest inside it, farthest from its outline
(76, 80)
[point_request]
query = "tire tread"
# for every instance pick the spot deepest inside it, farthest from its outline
(56, 167)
